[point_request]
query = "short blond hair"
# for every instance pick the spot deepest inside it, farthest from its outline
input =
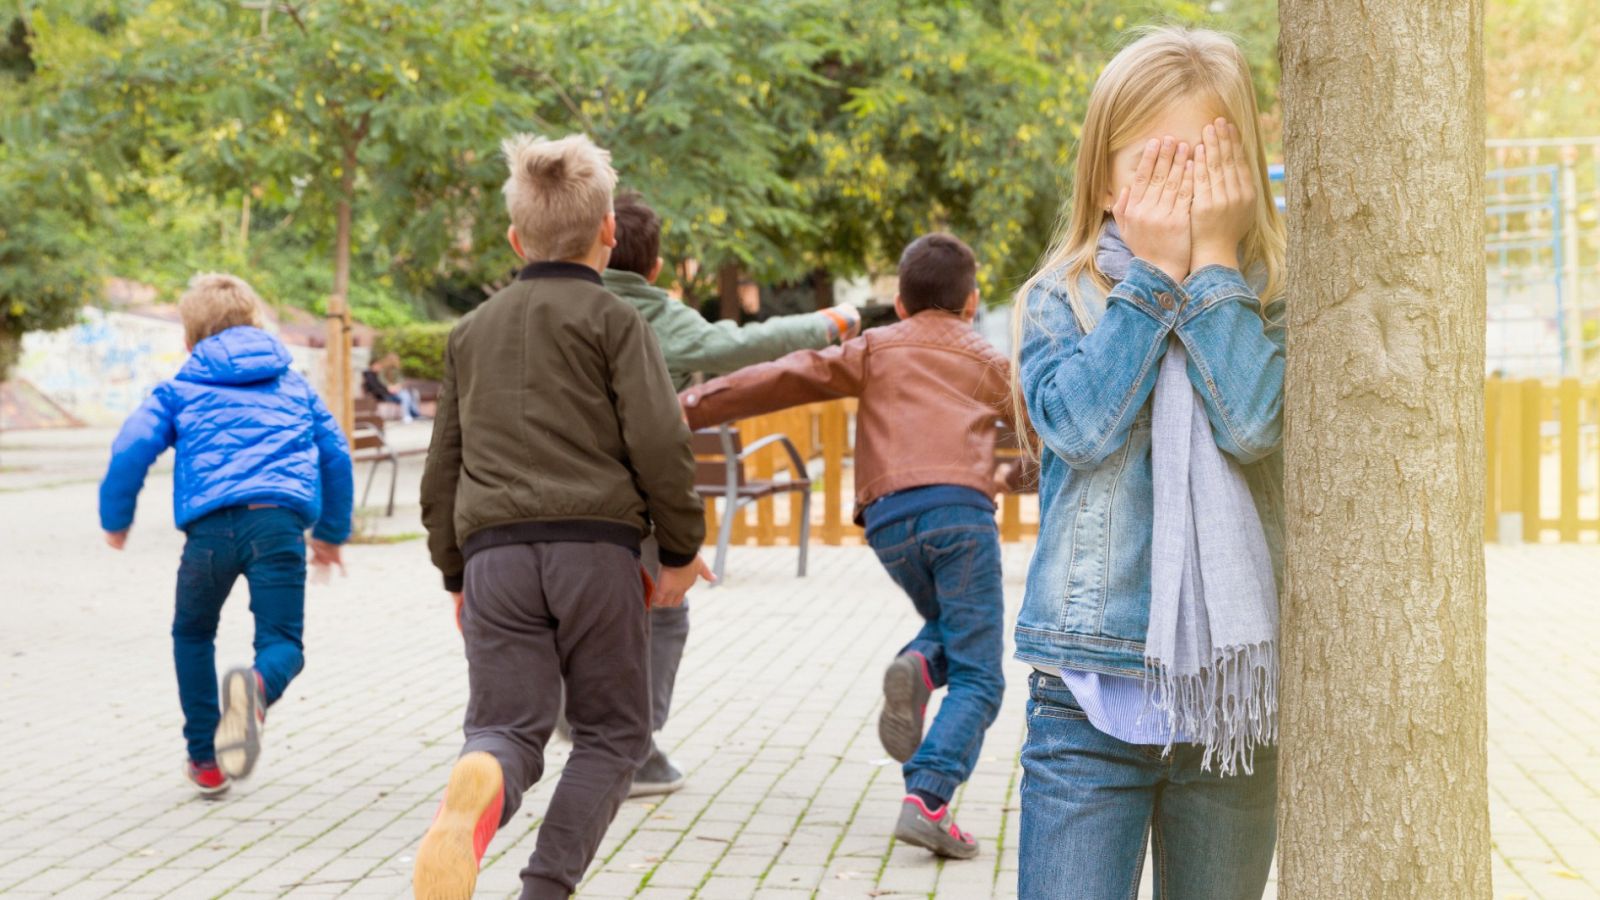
(558, 194)
(215, 302)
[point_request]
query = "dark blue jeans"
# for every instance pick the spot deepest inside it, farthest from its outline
(948, 561)
(268, 547)
(1090, 802)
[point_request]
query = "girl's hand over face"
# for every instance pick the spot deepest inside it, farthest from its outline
(1153, 214)
(1224, 197)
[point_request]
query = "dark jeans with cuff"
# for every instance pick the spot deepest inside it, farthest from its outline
(267, 546)
(537, 616)
(948, 561)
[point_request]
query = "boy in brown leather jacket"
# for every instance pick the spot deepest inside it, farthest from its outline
(931, 390)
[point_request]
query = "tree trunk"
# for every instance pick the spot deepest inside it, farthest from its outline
(340, 399)
(822, 288)
(728, 292)
(1383, 783)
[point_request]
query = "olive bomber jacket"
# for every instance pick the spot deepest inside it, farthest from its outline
(557, 421)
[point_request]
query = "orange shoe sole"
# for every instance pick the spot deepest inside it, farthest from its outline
(447, 860)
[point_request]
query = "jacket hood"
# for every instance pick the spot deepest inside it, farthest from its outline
(239, 355)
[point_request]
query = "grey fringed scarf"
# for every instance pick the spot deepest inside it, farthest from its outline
(1211, 651)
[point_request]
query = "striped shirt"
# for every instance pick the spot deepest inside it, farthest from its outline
(1117, 705)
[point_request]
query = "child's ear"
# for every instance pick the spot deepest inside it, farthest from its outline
(608, 230)
(970, 310)
(516, 242)
(655, 272)
(900, 308)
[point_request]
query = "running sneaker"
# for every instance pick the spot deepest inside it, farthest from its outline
(207, 777)
(935, 831)
(907, 685)
(657, 776)
(244, 717)
(452, 850)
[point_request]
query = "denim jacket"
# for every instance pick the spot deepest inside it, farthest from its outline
(1087, 601)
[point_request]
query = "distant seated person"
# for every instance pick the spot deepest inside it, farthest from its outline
(374, 385)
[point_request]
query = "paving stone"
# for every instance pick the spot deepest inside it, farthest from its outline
(789, 795)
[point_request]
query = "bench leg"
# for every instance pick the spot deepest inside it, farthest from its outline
(372, 475)
(394, 476)
(730, 508)
(805, 528)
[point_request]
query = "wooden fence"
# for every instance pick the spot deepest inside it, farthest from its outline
(1543, 453)
(1542, 441)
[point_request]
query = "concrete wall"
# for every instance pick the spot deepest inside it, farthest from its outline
(101, 369)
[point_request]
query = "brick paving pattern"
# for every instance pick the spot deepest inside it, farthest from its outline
(789, 795)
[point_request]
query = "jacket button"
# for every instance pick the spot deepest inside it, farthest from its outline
(1165, 299)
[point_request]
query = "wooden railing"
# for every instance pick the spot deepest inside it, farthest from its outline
(1542, 442)
(1543, 457)
(824, 433)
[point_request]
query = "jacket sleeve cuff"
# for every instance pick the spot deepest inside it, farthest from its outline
(1213, 284)
(330, 535)
(675, 560)
(1151, 291)
(455, 584)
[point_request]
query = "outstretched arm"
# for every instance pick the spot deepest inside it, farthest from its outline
(806, 376)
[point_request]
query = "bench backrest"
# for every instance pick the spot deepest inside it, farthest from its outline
(711, 457)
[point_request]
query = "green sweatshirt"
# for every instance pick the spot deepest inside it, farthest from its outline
(691, 344)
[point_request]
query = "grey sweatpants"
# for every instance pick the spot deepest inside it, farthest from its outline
(537, 615)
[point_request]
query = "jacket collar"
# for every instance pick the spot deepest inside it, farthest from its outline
(558, 269)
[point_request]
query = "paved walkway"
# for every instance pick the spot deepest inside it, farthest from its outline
(789, 794)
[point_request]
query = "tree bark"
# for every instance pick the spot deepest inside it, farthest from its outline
(1383, 782)
(340, 397)
(728, 292)
(822, 288)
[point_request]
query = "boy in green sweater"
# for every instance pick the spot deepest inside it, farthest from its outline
(693, 345)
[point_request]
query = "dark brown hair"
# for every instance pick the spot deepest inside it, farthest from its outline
(638, 236)
(937, 271)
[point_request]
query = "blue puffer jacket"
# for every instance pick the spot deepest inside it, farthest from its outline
(248, 430)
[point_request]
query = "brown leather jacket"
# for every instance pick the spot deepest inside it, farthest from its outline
(931, 390)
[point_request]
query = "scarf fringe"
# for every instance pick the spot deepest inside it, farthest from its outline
(1230, 706)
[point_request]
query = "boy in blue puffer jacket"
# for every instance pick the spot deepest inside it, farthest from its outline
(259, 460)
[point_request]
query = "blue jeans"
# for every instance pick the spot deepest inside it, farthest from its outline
(948, 561)
(268, 547)
(1089, 801)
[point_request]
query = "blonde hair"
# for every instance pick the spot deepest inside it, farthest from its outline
(1165, 65)
(215, 302)
(558, 193)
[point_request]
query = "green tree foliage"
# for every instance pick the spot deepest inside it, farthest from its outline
(783, 136)
(48, 266)
(420, 347)
(1542, 61)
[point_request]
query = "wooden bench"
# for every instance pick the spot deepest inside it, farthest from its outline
(368, 445)
(720, 456)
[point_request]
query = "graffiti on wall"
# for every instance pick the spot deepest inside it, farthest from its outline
(101, 369)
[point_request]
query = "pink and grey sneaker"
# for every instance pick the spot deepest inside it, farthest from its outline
(907, 685)
(934, 831)
(244, 717)
(207, 777)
